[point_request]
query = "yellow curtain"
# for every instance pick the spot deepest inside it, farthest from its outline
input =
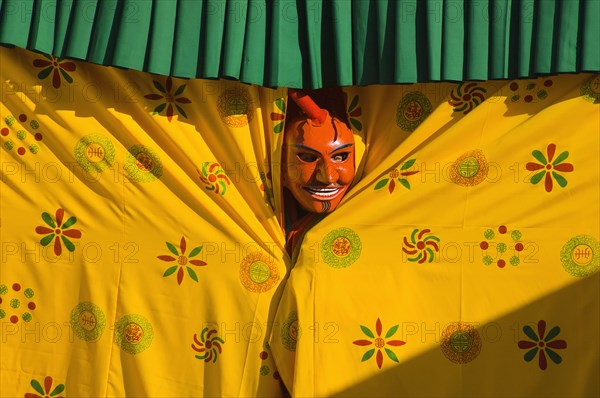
(464, 262)
(142, 253)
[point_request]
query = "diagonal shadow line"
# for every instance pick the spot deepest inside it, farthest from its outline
(500, 369)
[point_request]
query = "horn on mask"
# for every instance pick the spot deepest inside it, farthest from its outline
(316, 114)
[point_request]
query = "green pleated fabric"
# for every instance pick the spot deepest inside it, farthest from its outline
(315, 43)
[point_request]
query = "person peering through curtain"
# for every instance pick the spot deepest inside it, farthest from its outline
(318, 164)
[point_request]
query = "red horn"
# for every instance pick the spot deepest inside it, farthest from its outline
(316, 114)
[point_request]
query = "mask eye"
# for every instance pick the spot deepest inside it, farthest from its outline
(340, 157)
(307, 157)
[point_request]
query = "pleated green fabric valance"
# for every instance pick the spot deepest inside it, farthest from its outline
(315, 43)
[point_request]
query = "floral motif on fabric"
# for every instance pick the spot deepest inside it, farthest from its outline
(400, 175)
(182, 261)
(549, 168)
(379, 344)
(542, 344)
(57, 67)
(278, 115)
(354, 111)
(58, 231)
(47, 390)
(169, 100)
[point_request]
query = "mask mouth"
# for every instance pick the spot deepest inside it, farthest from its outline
(323, 193)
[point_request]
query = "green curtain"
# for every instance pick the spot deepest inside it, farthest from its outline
(315, 43)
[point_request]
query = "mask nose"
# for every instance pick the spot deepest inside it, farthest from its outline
(327, 173)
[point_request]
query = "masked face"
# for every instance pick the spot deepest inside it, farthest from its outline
(318, 163)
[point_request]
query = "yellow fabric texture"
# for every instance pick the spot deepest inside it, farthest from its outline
(142, 252)
(146, 193)
(459, 265)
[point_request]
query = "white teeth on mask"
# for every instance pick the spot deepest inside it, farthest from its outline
(323, 192)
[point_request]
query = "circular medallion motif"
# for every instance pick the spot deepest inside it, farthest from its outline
(133, 333)
(94, 153)
(469, 169)
(235, 107)
(142, 164)
(341, 247)
(591, 89)
(291, 331)
(580, 256)
(460, 342)
(412, 110)
(258, 272)
(88, 321)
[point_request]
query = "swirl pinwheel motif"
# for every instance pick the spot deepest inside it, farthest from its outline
(55, 66)
(354, 112)
(168, 99)
(47, 390)
(542, 344)
(466, 96)
(208, 345)
(379, 343)
(59, 231)
(278, 116)
(397, 175)
(421, 247)
(213, 175)
(549, 167)
(182, 261)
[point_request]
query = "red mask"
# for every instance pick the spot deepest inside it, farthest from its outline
(318, 163)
